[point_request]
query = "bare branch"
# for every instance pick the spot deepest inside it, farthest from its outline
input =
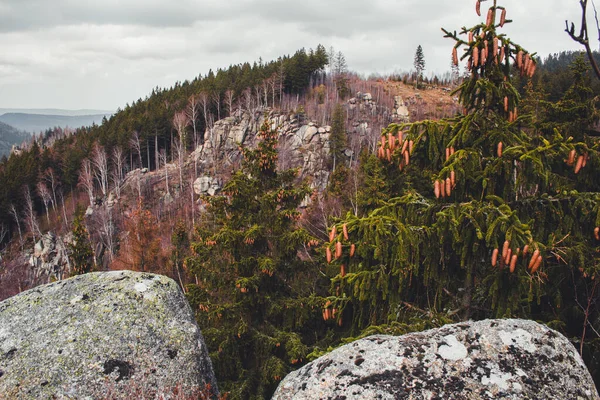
(583, 36)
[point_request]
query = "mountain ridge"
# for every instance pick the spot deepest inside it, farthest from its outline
(35, 123)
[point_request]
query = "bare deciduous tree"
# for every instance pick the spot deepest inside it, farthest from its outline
(180, 122)
(217, 99)
(192, 112)
(118, 160)
(15, 215)
(193, 203)
(86, 179)
(179, 152)
(52, 179)
(29, 215)
(46, 196)
(134, 142)
(205, 102)
(280, 79)
(163, 160)
(100, 162)
(229, 101)
(64, 209)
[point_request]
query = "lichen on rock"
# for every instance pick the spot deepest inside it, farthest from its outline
(509, 359)
(101, 333)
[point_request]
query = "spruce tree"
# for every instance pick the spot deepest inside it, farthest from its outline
(81, 254)
(338, 138)
(488, 215)
(256, 300)
(419, 63)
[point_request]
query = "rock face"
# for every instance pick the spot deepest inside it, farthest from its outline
(301, 145)
(120, 333)
(205, 185)
(509, 359)
(50, 258)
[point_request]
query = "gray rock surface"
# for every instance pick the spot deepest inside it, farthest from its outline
(120, 333)
(50, 259)
(509, 359)
(206, 185)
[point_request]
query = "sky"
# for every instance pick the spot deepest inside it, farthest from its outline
(92, 54)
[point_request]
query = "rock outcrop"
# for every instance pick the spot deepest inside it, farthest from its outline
(115, 334)
(303, 145)
(205, 185)
(508, 359)
(400, 111)
(50, 259)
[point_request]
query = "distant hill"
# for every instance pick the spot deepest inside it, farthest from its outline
(54, 111)
(36, 123)
(9, 136)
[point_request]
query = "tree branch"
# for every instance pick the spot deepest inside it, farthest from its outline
(583, 36)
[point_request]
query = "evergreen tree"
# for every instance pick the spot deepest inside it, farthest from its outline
(488, 215)
(81, 256)
(419, 63)
(338, 138)
(257, 308)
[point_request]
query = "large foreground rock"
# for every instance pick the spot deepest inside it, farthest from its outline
(121, 333)
(508, 359)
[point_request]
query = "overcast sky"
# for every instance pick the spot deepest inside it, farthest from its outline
(77, 54)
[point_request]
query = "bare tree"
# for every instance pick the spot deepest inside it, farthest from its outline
(229, 101)
(258, 93)
(193, 203)
(15, 215)
(281, 79)
(180, 123)
(64, 209)
(273, 84)
(205, 102)
(30, 217)
(179, 151)
(248, 101)
(52, 179)
(118, 160)
(163, 160)
(583, 37)
(46, 196)
(217, 99)
(100, 162)
(136, 145)
(192, 112)
(266, 86)
(86, 179)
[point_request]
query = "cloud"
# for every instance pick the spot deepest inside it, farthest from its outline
(102, 54)
(23, 15)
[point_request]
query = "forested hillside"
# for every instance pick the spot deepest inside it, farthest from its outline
(301, 206)
(10, 136)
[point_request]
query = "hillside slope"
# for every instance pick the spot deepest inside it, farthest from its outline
(10, 136)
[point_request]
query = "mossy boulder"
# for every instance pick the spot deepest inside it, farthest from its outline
(113, 334)
(492, 359)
